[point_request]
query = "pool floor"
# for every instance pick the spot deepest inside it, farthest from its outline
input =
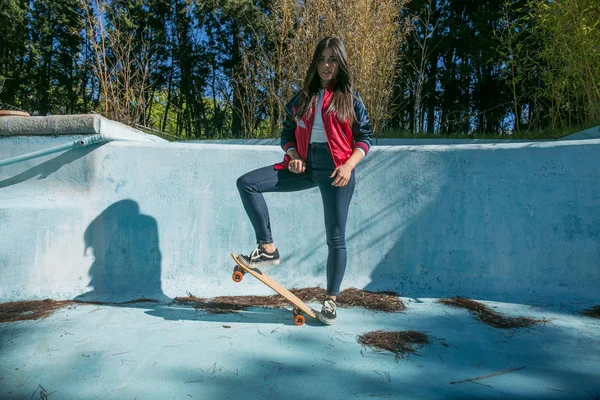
(170, 351)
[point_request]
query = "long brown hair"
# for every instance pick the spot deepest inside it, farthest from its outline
(342, 103)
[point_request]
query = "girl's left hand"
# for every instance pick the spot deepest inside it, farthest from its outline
(342, 175)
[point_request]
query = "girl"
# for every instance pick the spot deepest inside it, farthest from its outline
(325, 134)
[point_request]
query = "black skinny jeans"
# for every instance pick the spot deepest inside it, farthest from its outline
(336, 201)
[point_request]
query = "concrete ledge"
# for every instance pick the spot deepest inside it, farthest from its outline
(376, 141)
(84, 124)
(511, 222)
(591, 133)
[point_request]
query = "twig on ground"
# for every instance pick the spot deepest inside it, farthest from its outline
(488, 376)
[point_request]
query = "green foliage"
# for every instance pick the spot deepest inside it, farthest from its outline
(569, 63)
(157, 114)
(220, 68)
(526, 134)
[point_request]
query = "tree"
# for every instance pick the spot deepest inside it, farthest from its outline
(511, 34)
(569, 33)
(52, 56)
(122, 59)
(418, 57)
(13, 17)
(371, 31)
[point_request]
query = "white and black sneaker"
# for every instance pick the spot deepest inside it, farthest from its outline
(328, 313)
(260, 258)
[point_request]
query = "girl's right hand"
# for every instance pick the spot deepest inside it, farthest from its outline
(297, 166)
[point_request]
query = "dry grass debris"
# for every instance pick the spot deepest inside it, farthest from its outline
(378, 301)
(489, 316)
(400, 343)
(226, 304)
(592, 312)
(352, 297)
(385, 301)
(30, 309)
(36, 309)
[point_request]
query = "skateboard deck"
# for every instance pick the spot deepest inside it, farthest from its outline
(299, 306)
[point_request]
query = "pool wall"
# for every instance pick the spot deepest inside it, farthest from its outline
(137, 217)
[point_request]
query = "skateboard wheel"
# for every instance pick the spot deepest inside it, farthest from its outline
(299, 320)
(237, 276)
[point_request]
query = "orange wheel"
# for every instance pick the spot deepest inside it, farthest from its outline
(237, 276)
(299, 320)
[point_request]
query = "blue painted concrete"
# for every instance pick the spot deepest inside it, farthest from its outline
(161, 352)
(82, 124)
(503, 223)
(590, 133)
(380, 141)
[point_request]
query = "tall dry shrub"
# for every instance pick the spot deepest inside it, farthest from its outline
(121, 65)
(372, 33)
(371, 30)
(569, 31)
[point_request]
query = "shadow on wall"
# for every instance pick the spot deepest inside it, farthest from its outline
(518, 225)
(45, 169)
(127, 258)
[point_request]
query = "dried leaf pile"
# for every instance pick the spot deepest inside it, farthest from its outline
(386, 301)
(226, 304)
(489, 316)
(308, 295)
(592, 312)
(379, 301)
(399, 343)
(30, 309)
(390, 302)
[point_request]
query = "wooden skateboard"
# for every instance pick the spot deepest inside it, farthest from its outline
(299, 306)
